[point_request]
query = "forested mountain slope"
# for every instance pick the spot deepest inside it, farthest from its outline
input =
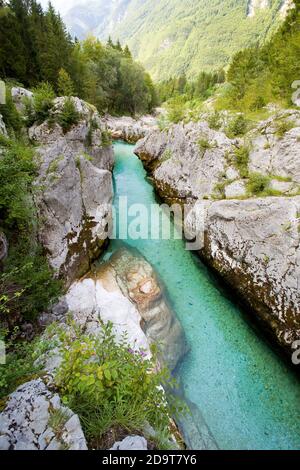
(173, 37)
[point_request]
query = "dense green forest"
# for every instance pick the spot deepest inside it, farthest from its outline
(185, 36)
(260, 75)
(35, 47)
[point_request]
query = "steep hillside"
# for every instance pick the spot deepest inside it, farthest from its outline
(172, 37)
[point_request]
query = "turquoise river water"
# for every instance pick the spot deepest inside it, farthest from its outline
(237, 386)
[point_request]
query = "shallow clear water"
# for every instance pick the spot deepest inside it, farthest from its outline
(244, 393)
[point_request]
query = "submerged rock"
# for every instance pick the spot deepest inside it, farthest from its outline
(75, 196)
(130, 130)
(35, 419)
(126, 292)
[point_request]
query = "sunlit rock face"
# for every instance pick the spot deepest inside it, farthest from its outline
(251, 239)
(126, 291)
(75, 196)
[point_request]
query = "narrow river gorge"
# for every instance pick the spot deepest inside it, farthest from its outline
(242, 395)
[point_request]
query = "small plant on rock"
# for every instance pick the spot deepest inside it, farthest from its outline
(68, 116)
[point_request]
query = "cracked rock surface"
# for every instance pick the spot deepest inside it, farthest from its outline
(35, 419)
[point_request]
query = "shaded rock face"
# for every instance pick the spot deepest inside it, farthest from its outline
(254, 245)
(252, 242)
(3, 247)
(74, 202)
(126, 292)
(2, 127)
(130, 130)
(35, 419)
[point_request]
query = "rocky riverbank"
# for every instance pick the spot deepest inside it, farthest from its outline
(248, 188)
(129, 129)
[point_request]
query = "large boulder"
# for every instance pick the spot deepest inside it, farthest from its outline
(75, 189)
(126, 291)
(130, 129)
(35, 419)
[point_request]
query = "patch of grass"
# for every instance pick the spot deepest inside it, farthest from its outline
(53, 166)
(166, 155)
(258, 184)
(204, 144)
(57, 421)
(282, 127)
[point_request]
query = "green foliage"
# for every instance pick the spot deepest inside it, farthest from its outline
(10, 114)
(19, 367)
(68, 116)
(260, 75)
(106, 138)
(65, 86)
(43, 97)
(204, 144)
(258, 184)
(176, 110)
(241, 160)
(17, 172)
(237, 126)
(283, 126)
(173, 38)
(26, 284)
(214, 120)
(108, 384)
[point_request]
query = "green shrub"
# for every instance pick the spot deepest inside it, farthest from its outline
(204, 144)
(175, 110)
(241, 160)
(214, 120)
(17, 172)
(11, 117)
(237, 126)
(106, 138)
(43, 97)
(68, 115)
(258, 184)
(282, 127)
(108, 384)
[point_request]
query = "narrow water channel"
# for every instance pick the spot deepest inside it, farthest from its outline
(237, 387)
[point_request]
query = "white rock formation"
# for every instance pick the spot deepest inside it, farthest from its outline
(19, 95)
(129, 129)
(75, 196)
(35, 419)
(131, 443)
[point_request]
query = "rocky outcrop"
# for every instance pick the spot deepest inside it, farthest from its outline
(126, 292)
(75, 188)
(130, 130)
(251, 241)
(19, 95)
(35, 419)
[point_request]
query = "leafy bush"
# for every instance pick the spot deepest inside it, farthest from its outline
(214, 120)
(43, 97)
(17, 172)
(68, 116)
(108, 384)
(26, 284)
(10, 114)
(175, 109)
(106, 138)
(241, 159)
(258, 184)
(237, 126)
(283, 126)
